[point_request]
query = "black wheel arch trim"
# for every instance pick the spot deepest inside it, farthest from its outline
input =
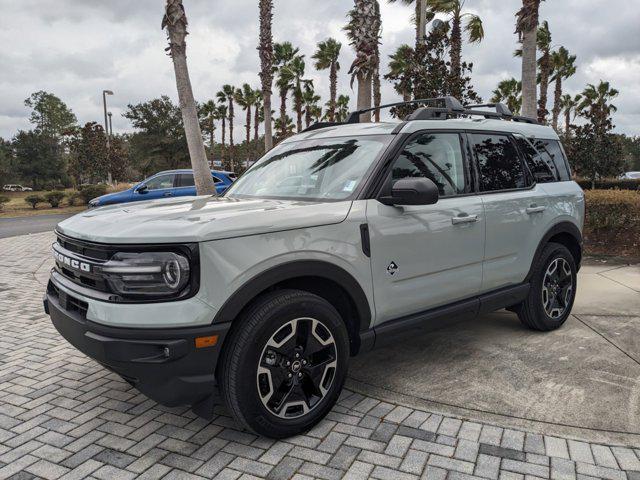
(559, 228)
(289, 271)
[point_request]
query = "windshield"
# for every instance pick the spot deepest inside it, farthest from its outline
(327, 169)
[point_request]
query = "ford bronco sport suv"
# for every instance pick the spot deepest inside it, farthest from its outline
(337, 241)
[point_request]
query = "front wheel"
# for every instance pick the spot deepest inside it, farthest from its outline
(553, 290)
(286, 363)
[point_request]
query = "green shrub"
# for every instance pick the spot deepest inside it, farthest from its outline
(54, 198)
(73, 197)
(612, 222)
(88, 192)
(34, 200)
(3, 199)
(610, 184)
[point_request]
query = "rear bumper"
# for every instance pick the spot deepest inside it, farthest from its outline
(163, 364)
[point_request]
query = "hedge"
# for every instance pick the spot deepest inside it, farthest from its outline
(612, 222)
(610, 184)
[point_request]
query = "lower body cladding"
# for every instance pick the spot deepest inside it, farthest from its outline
(172, 366)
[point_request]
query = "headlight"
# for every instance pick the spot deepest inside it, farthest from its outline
(147, 274)
(94, 203)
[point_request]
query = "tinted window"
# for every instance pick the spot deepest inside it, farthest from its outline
(554, 150)
(540, 163)
(437, 156)
(160, 182)
(499, 166)
(186, 180)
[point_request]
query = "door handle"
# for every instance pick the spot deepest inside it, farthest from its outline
(167, 194)
(536, 209)
(464, 219)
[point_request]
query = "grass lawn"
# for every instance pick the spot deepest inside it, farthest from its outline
(17, 207)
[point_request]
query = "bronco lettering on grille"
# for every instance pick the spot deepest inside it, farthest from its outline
(71, 262)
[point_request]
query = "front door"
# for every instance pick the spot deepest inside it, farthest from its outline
(160, 186)
(426, 256)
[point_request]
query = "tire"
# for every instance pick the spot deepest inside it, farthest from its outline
(254, 374)
(537, 310)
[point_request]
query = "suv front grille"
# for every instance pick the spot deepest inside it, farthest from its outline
(90, 253)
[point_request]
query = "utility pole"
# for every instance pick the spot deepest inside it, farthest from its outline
(106, 123)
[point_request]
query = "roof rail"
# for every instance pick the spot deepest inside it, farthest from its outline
(447, 103)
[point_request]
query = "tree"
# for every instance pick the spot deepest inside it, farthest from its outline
(569, 105)
(7, 168)
(311, 108)
(527, 30)
(89, 155)
(283, 54)
(266, 68)
(246, 98)
(475, 33)
(284, 128)
(38, 158)
(377, 94)
(209, 114)
(544, 64)
(175, 22)
(326, 57)
(223, 111)
(49, 114)
(400, 71)
(228, 94)
(342, 108)
(509, 92)
(563, 67)
(258, 113)
(159, 142)
(595, 105)
(292, 74)
(363, 31)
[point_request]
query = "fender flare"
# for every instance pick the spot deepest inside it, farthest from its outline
(291, 270)
(561, 227)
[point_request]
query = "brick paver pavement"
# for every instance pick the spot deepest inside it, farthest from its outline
(64, 416)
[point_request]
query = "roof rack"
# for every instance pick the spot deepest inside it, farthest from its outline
(440, 108)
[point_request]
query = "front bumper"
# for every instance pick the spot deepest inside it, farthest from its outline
(164, 364)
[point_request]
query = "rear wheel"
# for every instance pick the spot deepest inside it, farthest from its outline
(553, 290)
(285, 363)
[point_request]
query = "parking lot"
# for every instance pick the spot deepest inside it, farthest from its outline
(485, 399)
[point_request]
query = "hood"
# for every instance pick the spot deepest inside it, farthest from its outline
(198, 219)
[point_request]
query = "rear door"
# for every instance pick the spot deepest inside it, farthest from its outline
(185, 185)
(427, 256)
(515, 208)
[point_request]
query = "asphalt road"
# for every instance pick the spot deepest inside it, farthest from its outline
(10, 227)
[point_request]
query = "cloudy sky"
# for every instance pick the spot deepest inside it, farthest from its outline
(77, 48)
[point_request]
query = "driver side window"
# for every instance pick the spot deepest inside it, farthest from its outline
(160, 182)
(436, 156)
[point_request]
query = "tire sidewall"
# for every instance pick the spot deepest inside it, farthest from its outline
(270, 321)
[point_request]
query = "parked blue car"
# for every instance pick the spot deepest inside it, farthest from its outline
(170, 183)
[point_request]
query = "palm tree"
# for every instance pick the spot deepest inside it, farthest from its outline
(400, 71)
(326, 57)
(342, 108)
(266, 69)
(284, 127)
(209, 111)
(475, 34)
(509, 92)
(544, 64)
(377, 94)
(310, 100)
(227, 94)
(222, 115)
(292, 74)
(175, 22)
(421, 17)
(563, 67)
(258, 113)
(245, 97)
(596, 105)
(569, 105)
(527, 28)
(283, 54)
(363, 31)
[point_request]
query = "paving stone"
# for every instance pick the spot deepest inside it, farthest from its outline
(502, 452)
(626, 458)
(556, 447)
(604, 456)
(414, 462)
(562, 469)
(284, 469)
(580, 452)
(487, 466)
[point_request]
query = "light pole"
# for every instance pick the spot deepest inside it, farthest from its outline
(106, 121)
(110, 124)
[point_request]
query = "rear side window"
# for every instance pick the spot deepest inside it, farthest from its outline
(540, 163)
(186, 180)
(554, 149)
(499, 164)
(436, 156)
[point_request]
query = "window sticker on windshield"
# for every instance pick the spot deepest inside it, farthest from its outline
(349, 186)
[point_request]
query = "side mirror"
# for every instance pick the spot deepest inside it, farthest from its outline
(142, 189)
(412, 191)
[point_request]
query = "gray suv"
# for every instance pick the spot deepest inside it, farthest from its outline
(339, 240)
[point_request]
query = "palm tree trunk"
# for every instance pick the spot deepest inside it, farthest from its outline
(364, 95)
(456, 55)
(298, 102)
(421, 21)
(283, 110)
(248, 128)
(212, 140)
(266, 73)
(377, 96)
(544, 87)
(529, 74)
(567, 122)
(556, 102)
(307, 117)
(231, 145)
(222, 144)
(333, 91)
(256, 123)
(176, 24)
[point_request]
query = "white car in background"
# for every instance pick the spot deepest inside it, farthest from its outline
(16, 188)
(630, 176)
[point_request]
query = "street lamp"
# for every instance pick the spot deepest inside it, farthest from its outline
(106, 121)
